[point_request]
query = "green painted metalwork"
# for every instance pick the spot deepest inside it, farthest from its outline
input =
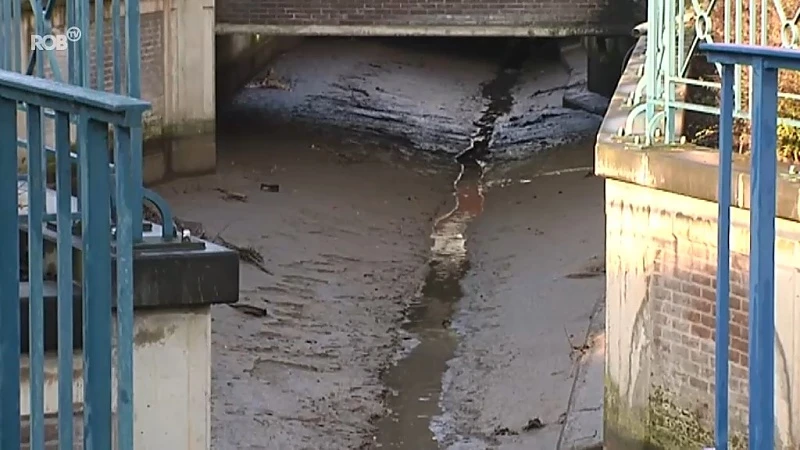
(675, 28)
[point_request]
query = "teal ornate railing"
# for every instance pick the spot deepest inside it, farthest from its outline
(675, 28)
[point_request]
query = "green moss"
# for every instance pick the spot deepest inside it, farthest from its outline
(660, 425)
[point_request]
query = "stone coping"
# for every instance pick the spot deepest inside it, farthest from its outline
(690, 171)
(174, 276)
(683, 169)
(170, 279)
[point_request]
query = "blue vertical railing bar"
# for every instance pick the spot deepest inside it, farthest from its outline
(36, 206)
(16, 31)
(5, 35)
(764, 63)
(116, 32)
(762, 251)
(133, 51)
(82, 15)
(65, 276)
(124, 237)
(46, 26)
(96, 238)
(10, 341)
(72, 48)
(35, 55)
(83, 12)
(723, 259)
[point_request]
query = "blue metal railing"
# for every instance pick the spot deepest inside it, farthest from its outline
(765, 63)
(95, 112)
(89, 17)
(76, 114)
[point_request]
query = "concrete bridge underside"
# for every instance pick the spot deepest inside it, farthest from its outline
(188, 44)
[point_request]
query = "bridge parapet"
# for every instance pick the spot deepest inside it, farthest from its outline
(666, 254)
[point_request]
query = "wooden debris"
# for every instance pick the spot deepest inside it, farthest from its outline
(266, 187)
(250, 310)
(229, 195)
(592, 271)
(247, 255)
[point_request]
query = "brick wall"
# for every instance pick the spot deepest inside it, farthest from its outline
(683, 302)
(152, 61)
(661, 288)
(541, 17)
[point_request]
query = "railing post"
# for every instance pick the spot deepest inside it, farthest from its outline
(765, 63)
(36, 207)
(133, 50)
(762, 255)
(9, 281)
(723, 259)
(96, 238)
(65, 275)
(126, 205)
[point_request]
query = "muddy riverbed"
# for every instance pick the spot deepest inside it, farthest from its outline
(432, 244)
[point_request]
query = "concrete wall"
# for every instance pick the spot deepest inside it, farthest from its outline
(661, 269)
(422, 17)
(172, 383)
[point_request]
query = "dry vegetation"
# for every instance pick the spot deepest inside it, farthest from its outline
(702, 129)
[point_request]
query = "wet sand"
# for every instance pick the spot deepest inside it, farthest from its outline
(347, 240)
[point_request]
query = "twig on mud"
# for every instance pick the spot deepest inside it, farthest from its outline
(569, 339)
(249, 309)
(591, 271)
(229, 195)
(583, 275)
(248, 255)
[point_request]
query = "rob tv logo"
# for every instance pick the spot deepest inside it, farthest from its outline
(55, 41)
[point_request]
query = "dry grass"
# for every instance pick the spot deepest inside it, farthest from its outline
(703, 129)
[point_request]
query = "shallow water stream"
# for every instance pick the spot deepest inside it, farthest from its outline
(415, 383)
